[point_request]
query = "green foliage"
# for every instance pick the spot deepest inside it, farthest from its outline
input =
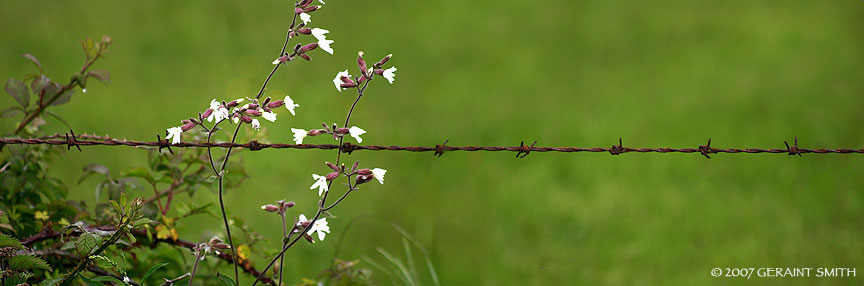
(8, 241)
(342, 273)
(24, 262)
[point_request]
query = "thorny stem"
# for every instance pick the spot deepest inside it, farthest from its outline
(63, 90)
(220, 174)
(323, 200)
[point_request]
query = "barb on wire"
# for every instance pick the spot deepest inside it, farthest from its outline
(437, 149)
(70, 141)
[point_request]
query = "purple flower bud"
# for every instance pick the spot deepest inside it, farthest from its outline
(246, 119)
(348, 85)
(276, 104)
(270, 208)
(231, 104)
(308, 47)
(363, 179)
(185, 121)
(314, 132)
(298, 10)
(383, 61)
(379, 71)
(288, 204)
(305, 3)
(304, 31)
(253, 106)
(207, 113)
(188, 126)
(356, 165)
(332, 176)
(311, 9)
(364, 172)
(221, 246)
(306, 57)
(332, 166)
(361, 63)
(253, 112)
(342, 130)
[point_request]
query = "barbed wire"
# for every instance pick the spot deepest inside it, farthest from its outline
(71, 140)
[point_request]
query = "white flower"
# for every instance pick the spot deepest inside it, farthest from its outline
(323, 42)
(126, 278)
(84, 90)
(290, 105)
(356, 132)
(322, 1)
(277, 61)
(256, 124)
(378, 173)
(306, 18)
(320, 226)
(269, 116)
(219, 111)
(337, 81)
(235, 119)
(174, 134)
(299, 134)
(320, 183)
(390, 74)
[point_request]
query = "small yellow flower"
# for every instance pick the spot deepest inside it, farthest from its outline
(42, 215)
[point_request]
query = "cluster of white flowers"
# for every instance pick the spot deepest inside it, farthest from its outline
(245, 113)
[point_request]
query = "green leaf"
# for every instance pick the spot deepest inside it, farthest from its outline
(11, 111)
(101, 75)
(152, 270)
(64, 98)
(52, 282)
(225, 280)
(18, 90)
(28, 262)
(8, 241)
(34, 60)
(86, 243)
(139, 172)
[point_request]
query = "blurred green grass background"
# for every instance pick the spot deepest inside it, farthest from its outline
(565, 73)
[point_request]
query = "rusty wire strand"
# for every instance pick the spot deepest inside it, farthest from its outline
(91, 140)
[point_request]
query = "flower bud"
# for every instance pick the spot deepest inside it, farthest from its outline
(364, 172)
(314, 132)
(379, 71)
(356, 164)
(348, 85)
(270, 208)
(305, 3)
(308, 47)
(306, 57)
(332, 176)
(246, 119)
(231, 104)
(342, 130)
(253, 112)
(332, 166)
(363, 179)
(361, 63)
(275, 104)
(304, 31)
(288, 204)
(207, 113)
(383, 61)
(298, 10)
(188, 126)
(311, 9)
(252, 106)
(221, 246)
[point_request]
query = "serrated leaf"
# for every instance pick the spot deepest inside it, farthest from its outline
(8, 241)
(28, 262)
(86, 243)
(101, 75)
(18, 90)
(34, 60)
(152, 270)
(64, 98)
(225, 280)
